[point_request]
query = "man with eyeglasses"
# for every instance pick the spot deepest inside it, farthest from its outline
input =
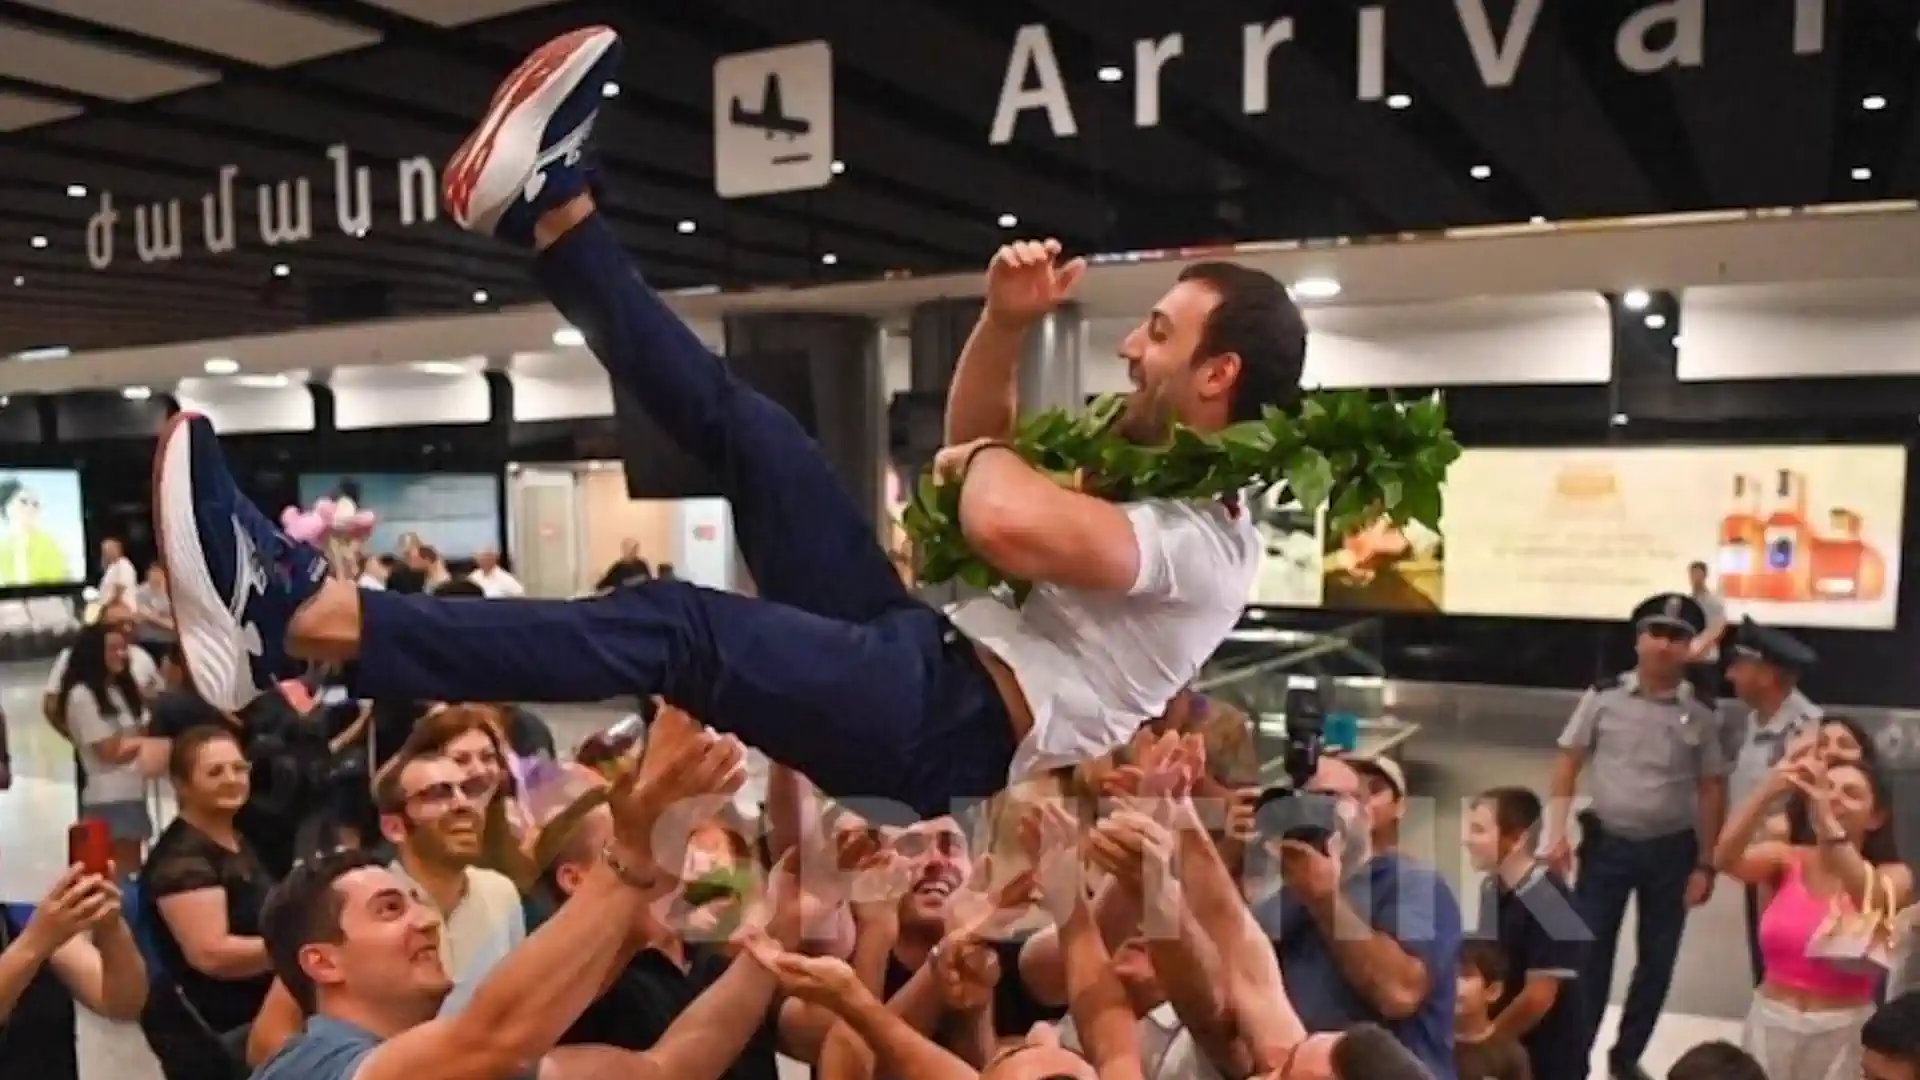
(1659, 792)
(430, 811)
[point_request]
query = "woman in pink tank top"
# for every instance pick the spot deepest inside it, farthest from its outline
(1806, 1014)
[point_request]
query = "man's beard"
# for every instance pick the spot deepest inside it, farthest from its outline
(1147, 419)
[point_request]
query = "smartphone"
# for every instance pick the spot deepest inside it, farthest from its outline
(90, 846)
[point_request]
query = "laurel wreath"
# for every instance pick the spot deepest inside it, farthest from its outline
(1358, 455)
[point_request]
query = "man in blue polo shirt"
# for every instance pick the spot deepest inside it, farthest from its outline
(1365, 938)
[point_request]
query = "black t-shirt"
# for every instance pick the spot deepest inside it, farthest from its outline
(178, 710)
(645, 998)
(1541, 931)
(528, 735)
(37, 1039)
(1014, 1010)
(184, 860)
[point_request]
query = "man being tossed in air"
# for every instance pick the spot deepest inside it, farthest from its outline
(835, 669)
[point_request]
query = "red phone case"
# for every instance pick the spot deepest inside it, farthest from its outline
(90, 846)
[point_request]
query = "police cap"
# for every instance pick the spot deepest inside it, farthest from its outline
(1676, 610)
(1751, 641)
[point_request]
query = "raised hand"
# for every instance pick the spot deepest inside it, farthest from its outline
(821, 980)
(1051, 836)
(1025, 281)
(989, 902)
(77, 902)
(966, 970)
(1134, 848)
(878, 883)
(686, 772)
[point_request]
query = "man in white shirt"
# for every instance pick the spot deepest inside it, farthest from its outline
(493, 579)
(118, 579)
(835, 669)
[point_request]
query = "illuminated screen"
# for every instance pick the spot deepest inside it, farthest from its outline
(457, 514)
(1797, 536)
(42, 531)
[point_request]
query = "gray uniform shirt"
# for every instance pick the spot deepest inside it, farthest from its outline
(1646, 756)
(1764, 741)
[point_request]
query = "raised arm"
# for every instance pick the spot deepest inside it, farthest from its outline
(1023, 285)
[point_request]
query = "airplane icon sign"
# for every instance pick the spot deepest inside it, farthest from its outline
(773, 120)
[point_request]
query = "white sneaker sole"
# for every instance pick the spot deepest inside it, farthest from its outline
(491, 169)
(210, 639)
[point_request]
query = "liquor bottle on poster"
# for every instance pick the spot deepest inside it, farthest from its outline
(1844, 567)
(1742, 545)
(1786, 571)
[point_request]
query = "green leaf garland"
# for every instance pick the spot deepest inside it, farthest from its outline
(1356, 454)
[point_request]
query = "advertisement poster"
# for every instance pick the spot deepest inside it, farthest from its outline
(1795, 536)
(42, 530)
(456, 513)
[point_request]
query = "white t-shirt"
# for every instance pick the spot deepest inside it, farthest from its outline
(119, 581)
(107, 782)
(146, 673)
(1167, 1049)
(1095, 666)
(497, 583)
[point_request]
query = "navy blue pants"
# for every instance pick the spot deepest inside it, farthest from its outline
(1653, 873)
(836, 670)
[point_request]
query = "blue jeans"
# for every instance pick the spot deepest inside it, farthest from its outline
(835, 670)
(1653, 873)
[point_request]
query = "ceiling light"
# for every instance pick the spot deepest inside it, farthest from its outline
(1861, 172)
(19, 280)
(1316, 288)
(1676, 340)
(1636, 299)
(1619, 419)
(1656, 320)
(610, 90)
(837, 167)
(1480, 172)
(44, 352)
(440, 367)
(829, 259)
(1008, 221)
(480, 296)
(220, 365)
(1398, 101)
(76, 191)
(1873, 103)
(688, 226)
(569, 338)
(38, 242)
(282, 270)
(137, 393)
(1110, 74)
(1537, 219)
(263, 382)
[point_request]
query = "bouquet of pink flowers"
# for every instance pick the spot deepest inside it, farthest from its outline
(338, 526)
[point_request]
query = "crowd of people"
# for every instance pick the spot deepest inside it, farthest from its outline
(1001, 840)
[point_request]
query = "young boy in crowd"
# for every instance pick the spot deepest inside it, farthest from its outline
(1717, 1060)
(1528, 910)
(1480, 1050)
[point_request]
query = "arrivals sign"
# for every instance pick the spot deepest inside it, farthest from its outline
(278, 213)
(1651, 39)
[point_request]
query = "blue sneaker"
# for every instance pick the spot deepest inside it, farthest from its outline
(234, 579)
(533, 149)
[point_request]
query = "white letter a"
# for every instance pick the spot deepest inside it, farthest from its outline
(1032, 49)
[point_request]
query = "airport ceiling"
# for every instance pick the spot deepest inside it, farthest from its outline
(1350, 118)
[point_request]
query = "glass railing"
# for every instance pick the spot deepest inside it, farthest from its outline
(1258, 663)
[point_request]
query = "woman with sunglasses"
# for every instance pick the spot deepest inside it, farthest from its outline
(202, 891)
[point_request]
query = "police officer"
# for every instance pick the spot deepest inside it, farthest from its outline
(1764, 666)
(1658, 787)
